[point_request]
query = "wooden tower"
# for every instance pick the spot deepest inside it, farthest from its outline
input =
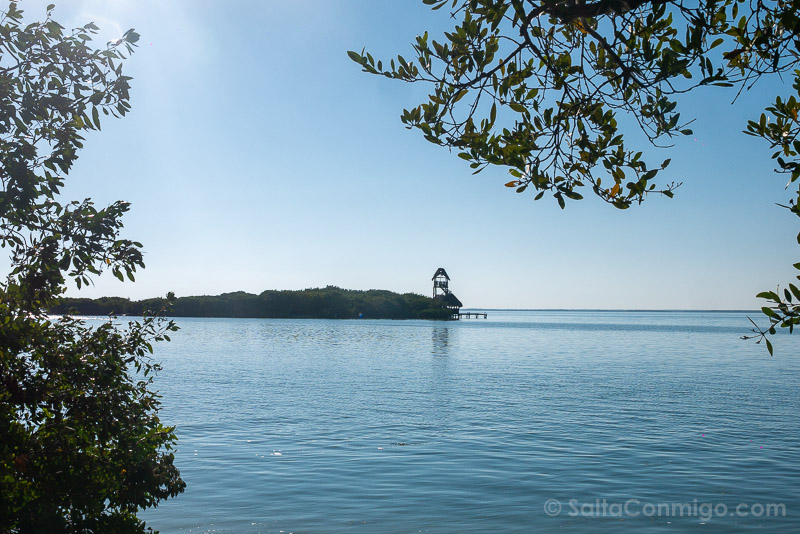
(444, 298)
(440, 280)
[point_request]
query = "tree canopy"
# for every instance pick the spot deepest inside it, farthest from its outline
(81, 446)
(539, 87)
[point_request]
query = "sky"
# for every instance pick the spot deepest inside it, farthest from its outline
(258, 156)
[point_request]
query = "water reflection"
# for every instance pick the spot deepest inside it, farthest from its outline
(440, 337)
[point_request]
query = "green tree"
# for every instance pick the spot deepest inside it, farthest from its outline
(81, 446)
(537, 86)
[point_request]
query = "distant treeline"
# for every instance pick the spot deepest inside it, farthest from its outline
(322, 303)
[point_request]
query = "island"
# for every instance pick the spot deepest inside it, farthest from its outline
(330, 302)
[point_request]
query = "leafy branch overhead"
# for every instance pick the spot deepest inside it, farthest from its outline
(540, 87)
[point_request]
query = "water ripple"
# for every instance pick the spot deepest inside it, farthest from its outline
(401, 426)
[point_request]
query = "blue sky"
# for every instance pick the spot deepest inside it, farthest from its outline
(258, 156)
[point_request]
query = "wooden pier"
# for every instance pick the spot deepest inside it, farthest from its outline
(470, 315)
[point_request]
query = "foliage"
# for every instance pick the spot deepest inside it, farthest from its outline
(782, 133)
(320, 303)
(81, 446)
(538, 87)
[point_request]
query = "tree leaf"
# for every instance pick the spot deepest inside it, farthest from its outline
(96, 117)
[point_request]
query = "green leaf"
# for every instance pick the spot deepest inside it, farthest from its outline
(795, 291)
(355, 56)
(96, 117)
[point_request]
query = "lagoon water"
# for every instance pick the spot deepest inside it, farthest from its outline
(524, 422)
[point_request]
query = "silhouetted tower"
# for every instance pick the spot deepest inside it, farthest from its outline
(440, 280)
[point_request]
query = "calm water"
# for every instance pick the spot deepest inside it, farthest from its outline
(527, 421)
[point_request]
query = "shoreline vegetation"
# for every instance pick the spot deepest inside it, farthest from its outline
(318, 303)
